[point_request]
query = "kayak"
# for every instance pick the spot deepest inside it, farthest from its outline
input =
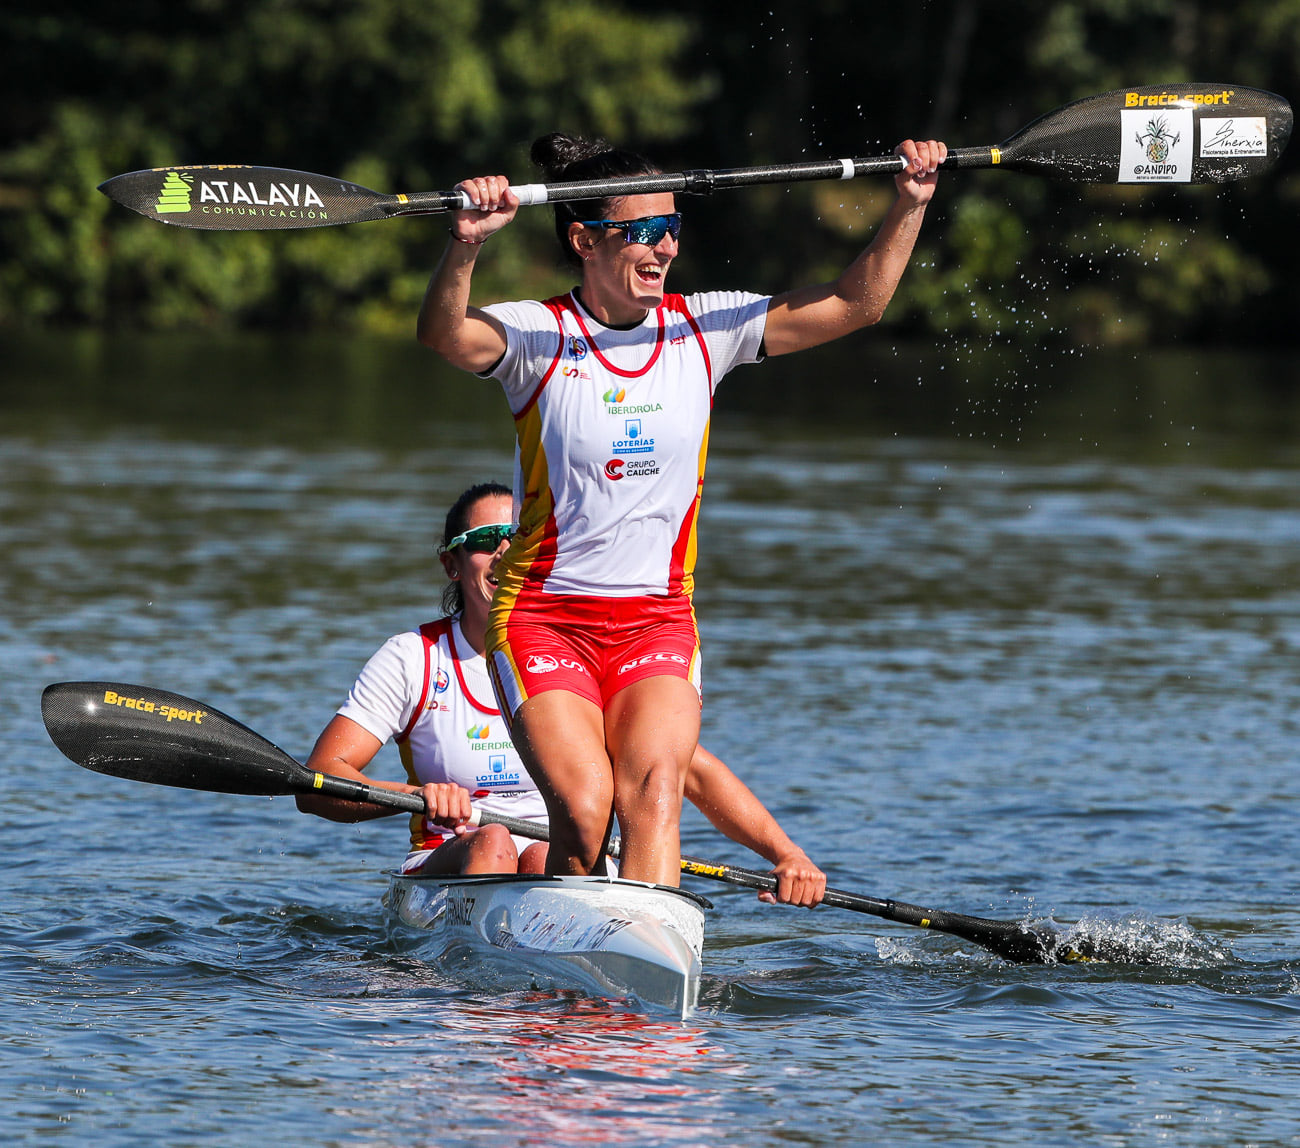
(603, 936)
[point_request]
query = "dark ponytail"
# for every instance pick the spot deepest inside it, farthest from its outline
(566, 159)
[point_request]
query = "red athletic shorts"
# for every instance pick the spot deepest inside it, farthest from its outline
(590, 646)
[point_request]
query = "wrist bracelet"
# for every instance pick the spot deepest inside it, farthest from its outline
(471, 242)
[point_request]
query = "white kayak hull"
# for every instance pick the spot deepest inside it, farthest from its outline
(600, 935)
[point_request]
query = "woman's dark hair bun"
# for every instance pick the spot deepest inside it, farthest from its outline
(573, 159)
(553, 153)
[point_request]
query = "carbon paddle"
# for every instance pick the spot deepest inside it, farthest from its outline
(152, 735)
(1183, 133)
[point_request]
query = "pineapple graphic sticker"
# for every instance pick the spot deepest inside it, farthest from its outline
(1156, 146)
(1157, 139)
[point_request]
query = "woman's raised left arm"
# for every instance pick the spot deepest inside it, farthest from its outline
(810, 316)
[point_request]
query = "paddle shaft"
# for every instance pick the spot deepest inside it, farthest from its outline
(748, 878)
(705, 182)
(696, 182)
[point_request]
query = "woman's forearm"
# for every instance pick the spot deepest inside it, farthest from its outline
(732, 808)
(440, 325)
(344, 749)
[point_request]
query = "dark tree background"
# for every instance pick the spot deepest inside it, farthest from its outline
(416, 94)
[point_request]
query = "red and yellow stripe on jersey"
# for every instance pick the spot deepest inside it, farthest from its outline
(613, 430)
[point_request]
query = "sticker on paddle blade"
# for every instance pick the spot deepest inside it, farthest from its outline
(1156, 147)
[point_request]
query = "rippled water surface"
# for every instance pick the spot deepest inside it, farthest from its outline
(1034, 654)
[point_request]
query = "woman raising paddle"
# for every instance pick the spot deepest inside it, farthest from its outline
(591, 640)
(428, 689)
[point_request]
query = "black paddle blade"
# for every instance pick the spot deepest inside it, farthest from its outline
(151, 735)
(231, 197)
(1183, 133)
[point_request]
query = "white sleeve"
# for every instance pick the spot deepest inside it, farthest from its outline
(732, 323)
(533, 340)
(385, 694)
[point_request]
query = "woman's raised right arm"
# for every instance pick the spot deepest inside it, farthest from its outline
(465, 336)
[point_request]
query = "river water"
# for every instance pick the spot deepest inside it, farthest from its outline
(1018, 639)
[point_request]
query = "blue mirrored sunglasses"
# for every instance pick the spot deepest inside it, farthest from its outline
(484, 539)
(649, 229)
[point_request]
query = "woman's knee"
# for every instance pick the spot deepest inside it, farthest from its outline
(584, 804)
(652, 791)
(533, 859)
(492, 850)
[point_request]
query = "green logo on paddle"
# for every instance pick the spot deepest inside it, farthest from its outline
(175, 195)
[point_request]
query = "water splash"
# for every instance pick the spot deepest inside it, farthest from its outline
(1134, 939)
(1140, 939)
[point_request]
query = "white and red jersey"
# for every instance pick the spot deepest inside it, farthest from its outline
(613, 429)
(428, 690)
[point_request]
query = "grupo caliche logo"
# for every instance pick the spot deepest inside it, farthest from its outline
(620, 468)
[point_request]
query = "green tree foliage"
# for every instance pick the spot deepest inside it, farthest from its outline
(394, 94)
(416, 94)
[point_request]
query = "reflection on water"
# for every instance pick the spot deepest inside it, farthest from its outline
(568, 1071)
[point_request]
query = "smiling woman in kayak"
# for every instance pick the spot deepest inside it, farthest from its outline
(428, 689)
(592, 641)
